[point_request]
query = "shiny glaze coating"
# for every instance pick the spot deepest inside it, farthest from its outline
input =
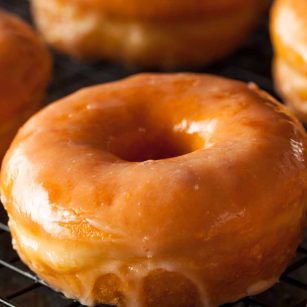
(289, 35)
(24, 71)
(155, 34)
(158, 190)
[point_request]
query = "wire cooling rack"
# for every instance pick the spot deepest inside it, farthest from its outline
(21, 288)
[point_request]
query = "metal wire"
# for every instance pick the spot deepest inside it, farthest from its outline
(20, 287)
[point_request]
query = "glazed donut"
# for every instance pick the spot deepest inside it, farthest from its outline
(289, 35)
(158, 33)
(158, 190)
(24, 71)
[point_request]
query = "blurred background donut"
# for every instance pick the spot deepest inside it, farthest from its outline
(154, 33)
(25, 67)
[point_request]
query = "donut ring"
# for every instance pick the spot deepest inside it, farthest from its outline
(140, 190)
(159, 34)
(22, 85)
(288, 31)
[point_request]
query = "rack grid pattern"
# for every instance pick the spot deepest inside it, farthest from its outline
(20, 288)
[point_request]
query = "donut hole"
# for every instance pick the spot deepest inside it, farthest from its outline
(138, 133)
(143, 145)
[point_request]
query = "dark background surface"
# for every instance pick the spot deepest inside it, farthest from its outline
(19, 287)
